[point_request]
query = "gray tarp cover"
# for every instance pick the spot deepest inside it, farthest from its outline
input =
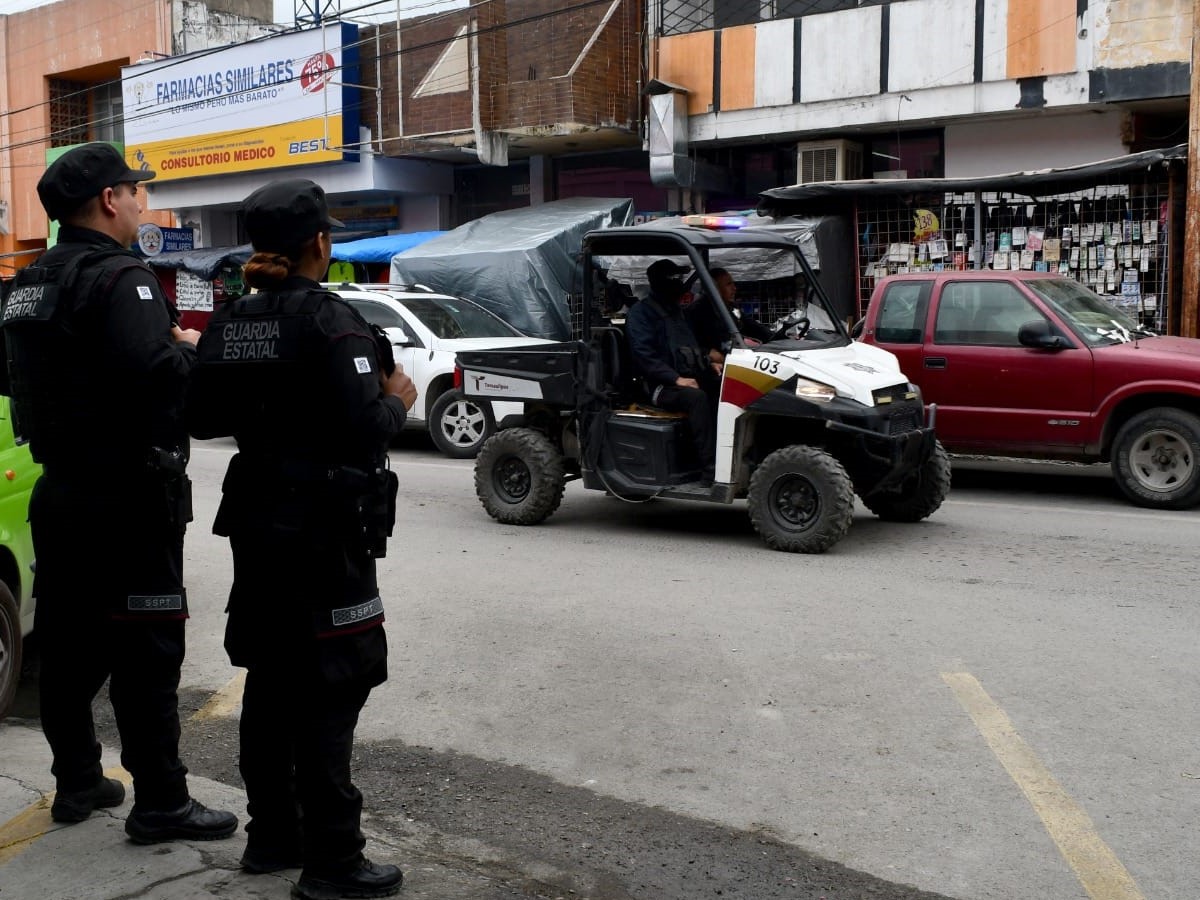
(1038, 183)
(205, 262)
(825, 241)
(742, 265)
(520, 263)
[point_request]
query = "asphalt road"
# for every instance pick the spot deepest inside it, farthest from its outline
(642, 701)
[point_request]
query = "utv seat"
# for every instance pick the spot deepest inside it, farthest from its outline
(624, 386)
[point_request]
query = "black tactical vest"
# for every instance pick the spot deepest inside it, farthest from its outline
(47, 345)
(262, 376)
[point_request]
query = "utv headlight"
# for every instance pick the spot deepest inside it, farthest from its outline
(814, 391)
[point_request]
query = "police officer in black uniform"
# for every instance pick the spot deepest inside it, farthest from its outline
(97, 370)
(313, 398)
(677, 373)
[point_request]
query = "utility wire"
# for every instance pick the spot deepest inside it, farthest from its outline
(586, 4)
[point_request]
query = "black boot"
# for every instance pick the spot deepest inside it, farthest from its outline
(368, 880)
(192, 821)
(75, 806)
(263, 859)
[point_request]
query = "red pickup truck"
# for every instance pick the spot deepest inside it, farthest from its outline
(1036, 365)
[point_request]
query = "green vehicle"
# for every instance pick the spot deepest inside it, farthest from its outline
(18, 472)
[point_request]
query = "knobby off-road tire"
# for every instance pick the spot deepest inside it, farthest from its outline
(519, 476)
(458, 426)
(1156, 458)
(920, 495)
(801, 500)
(10, 649)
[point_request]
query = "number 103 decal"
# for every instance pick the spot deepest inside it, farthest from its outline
(768, 364)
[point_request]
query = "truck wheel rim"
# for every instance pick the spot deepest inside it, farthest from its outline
(512, 480)
(463, 423)
(795, 502)
(1161, 460)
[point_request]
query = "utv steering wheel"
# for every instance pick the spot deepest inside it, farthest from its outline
(800, 325)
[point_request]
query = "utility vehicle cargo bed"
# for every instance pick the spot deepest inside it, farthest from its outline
(545, 372)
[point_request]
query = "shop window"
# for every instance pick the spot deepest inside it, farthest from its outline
(81, 112)
(907, 155)
(108, 113)
(69, 108)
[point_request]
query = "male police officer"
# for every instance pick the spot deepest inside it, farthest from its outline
(97, 372)
(677, 373)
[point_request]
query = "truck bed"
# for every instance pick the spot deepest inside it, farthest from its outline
(545, 372)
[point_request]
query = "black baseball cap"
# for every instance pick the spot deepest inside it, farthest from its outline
(81, 174)
(664, 269)
(282, 215)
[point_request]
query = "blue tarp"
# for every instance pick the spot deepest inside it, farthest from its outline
(380, 249)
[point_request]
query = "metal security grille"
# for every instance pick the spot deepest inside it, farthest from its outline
(686, 16)
(69, 108)
(1112, 238)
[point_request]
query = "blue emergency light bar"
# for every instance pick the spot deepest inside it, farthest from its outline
(720, 223)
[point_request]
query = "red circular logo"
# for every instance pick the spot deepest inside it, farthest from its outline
(316, 73)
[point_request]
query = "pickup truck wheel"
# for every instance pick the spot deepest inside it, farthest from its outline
(919, 496)
(10, 649)
(519, 476)
(801, 500)
(1156, 458)
(459, 426)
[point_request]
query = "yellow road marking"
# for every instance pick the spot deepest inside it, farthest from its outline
(224, 702)
(19, 832)
(1094, 864)
(24, 828)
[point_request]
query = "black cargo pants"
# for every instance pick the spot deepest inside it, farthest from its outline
(296, 746)
(96, 546)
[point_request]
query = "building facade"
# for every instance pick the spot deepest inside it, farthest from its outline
(910, 88)
(61, 85)
(528, 99)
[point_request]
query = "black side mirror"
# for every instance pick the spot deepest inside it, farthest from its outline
(1041, 336)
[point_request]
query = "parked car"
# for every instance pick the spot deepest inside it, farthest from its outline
(1031, 364)
(427, 330)
(16, 555)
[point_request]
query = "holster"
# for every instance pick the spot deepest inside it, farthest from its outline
(170, 466)
(297, 496)
(377, 512)
(178, 491)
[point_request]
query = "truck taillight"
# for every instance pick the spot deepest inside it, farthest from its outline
(458, 378)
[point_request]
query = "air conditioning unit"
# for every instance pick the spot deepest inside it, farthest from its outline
(828, 161)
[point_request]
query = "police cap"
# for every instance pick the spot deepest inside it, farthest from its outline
(83, 173)
(664, 270)
(282, 215)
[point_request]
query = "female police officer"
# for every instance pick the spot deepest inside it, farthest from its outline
(302, 383)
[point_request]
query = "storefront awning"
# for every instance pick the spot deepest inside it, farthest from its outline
(1034, 184)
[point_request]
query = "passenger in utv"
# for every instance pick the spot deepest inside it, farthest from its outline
(313, 398)
(712, 333)
(677, 373)
(89, 320)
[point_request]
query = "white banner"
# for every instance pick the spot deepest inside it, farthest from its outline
(259, 105)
